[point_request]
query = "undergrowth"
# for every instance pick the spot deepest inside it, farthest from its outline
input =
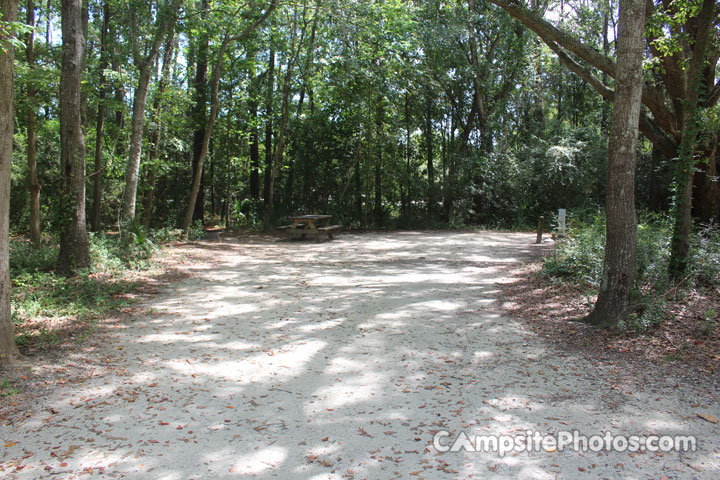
(50, 309)
(578, 257)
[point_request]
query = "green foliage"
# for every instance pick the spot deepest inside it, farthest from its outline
(247, 213)
(196, 231)
(649, 311)
(47, 308)
(6, 388)
(579, 257)
(705, 254)
(25, 259)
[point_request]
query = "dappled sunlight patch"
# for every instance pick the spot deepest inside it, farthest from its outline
(438, 305)
(323, 325)
(114, 418)
(349, 391)
(287, 362)
(175, 337)
(482, 355)
(667, 424)
(267, 458)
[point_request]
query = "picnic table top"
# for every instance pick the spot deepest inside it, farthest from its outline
(310, 217)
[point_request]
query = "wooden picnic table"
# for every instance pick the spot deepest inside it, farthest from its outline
(304, 225)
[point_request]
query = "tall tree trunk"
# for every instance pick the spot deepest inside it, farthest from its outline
(613, 303)
(8, 350)
(429, 151)
(254, 152)
(305, 72)
(405, 189)
(279, 148)
(74, 246)
(132, 170)
(99, 164)
(269, 125)
(214, 106)
(199, 112)
(358, 188)
(685, 166)
(377, 209)
(605, 113)
(157, 110)
(144, 66)
(32, 179)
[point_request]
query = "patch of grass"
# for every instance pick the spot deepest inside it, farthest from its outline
(6, 388)
(671, 358)
(709, 322)
(50, 309)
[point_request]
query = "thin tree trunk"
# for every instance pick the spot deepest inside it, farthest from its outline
(8, 350)
(74, 246)
(405, 189)
(32, 179)
(429, 150)
(154, 154)
(214, 106)
(269, 125)
(99, 164)
(613, 303)
(254, 153)
(358, 188)
(132, 170)
(144, 66)
(199, 111)
(277, 157)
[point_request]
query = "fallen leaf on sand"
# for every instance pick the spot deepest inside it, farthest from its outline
(707, 417)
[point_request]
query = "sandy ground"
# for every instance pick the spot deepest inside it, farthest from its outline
(343, 359)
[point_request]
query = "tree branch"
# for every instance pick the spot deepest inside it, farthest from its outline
(251, 28)
(648, 126)
(549, 33)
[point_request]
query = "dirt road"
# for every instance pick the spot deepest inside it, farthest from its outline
(349, 359)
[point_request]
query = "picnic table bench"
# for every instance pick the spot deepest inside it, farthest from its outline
(304, 225)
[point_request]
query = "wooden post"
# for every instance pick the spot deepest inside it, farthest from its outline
(540, 230)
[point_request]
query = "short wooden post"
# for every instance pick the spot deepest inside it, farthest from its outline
(540, 229)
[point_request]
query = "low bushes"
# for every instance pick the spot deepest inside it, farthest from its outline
(578, 257)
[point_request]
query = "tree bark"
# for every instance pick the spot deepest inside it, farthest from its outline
(155, 152)
(269, 125)
(379, 124)
(33, 184)
(8, 350)
(254, 152)
(132, 170)
(685, 167)
(199, 110)
(74, 246)
(429, 151)
(279, 148)
(613, 303)
(99, 164)
(144, 67)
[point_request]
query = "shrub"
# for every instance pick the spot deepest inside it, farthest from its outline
(25, 259)
(579, 257)
(705, 255)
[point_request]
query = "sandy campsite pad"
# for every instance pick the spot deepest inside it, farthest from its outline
(346, 359)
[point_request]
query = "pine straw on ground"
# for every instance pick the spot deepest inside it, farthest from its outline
(686, 343)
